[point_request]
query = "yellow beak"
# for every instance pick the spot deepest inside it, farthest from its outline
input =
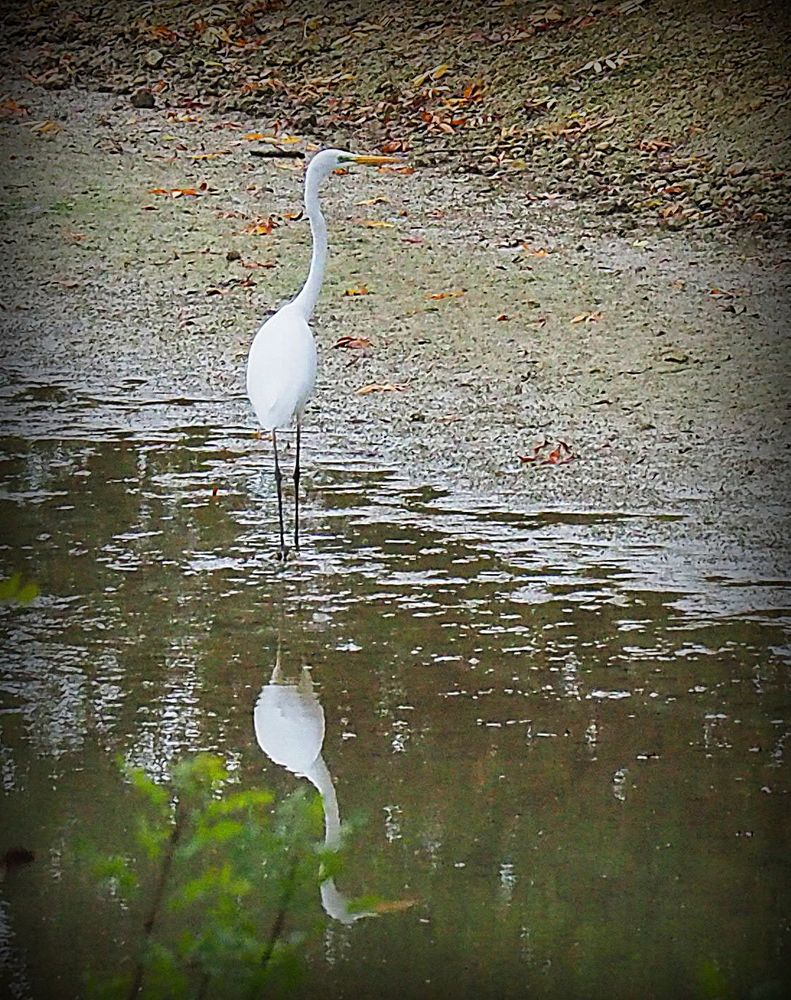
(376, 160)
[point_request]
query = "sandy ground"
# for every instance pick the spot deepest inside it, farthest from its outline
(659, 358)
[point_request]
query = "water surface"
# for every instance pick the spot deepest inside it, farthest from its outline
(562, 733)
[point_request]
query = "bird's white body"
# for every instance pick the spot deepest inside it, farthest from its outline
(281, 368)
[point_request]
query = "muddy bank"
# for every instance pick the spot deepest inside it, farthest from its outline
(673, 114)
(501, 322)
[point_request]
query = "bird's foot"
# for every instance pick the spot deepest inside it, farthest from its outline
(282, 553)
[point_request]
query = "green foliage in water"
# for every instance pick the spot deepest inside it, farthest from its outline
(15, 590)
(222, 885)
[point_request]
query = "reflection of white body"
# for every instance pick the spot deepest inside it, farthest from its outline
(289, 727)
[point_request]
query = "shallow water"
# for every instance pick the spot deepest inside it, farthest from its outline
(565, 732)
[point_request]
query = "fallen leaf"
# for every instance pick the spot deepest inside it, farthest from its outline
(182, 119)
(46, 128)
(255, 265)
(447, 295)
(396, 170)
(381, 387)
(260, 227)
(362, 290)
(12, 107)
(587, 317)
(559, 455)
(282, 140)
(502, 318)
(72, 236)
(377, 224)
(378, 200)
(432, 74)
(209, 156)
(175, 192)
(537, 449)
(540, 252)
(354, 343)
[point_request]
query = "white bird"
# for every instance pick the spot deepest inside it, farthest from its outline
(281, 366)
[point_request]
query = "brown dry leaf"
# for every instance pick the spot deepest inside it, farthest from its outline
(362, 290)
(396, 170)
(209, 156)
(260, 227)
(473, 90)
(47, 128)
(377, 224)
(72, 236)
(12, 107)
(176, 192)
(587, 317)
(502, 318)
(282, 140)
(654, 145)
(431, 74)
(354, 343)
(382, 387)
(394, 146)
(559, 455)
(540, 252)
(447, 295)
(378, 200)
(255, 265)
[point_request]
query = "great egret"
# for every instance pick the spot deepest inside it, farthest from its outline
(281, 366)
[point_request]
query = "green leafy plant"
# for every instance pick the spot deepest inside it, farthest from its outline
(15, 590)
(223, 884)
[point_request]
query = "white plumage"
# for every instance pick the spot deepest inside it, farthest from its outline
(281, 366)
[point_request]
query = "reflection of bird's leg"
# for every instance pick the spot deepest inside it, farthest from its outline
(296, 493)
(279, 480)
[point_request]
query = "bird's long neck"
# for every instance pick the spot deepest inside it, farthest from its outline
(308, 297)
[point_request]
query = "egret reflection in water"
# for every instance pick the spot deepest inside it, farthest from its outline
(289, 727)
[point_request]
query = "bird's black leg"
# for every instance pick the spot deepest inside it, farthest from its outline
(278, 481)
(296, 493)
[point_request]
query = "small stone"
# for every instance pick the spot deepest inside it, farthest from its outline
(143, 99)
(154, 58)
(233, 255)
